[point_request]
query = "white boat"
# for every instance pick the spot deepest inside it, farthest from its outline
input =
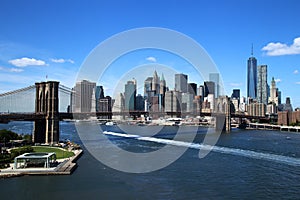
(109, 123)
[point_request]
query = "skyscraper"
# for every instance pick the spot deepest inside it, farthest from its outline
(214, 77)
(262, 84)
(130, 95)
(252, 77)
(163, 86)
(181, 83)
(273, 93)
(99, 94)
(83, 97)
(192, 88)
(173, 101)
(201, 92)
(235, 93)
(209, 88)
(155, 83)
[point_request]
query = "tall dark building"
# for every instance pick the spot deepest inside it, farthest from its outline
(192, 88)
(209, 88)
(288, 105)
(252, 77)
(99, 94)
(235, 93)
(105, 105)
(130, 95)
(181, 83)
(140, 103)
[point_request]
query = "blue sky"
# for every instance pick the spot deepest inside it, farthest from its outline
(53, 38)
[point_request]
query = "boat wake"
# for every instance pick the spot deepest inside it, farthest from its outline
(226, 150)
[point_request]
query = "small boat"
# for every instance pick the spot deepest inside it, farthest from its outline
(109, 124)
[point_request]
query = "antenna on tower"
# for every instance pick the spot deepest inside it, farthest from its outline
(252, 50)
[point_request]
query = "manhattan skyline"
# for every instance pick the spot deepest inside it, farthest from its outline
(52, 39)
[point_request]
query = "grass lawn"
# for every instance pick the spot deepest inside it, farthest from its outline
(59, 152)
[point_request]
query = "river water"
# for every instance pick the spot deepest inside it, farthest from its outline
(245, 164)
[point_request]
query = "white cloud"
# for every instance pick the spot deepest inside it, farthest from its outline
(61, 60)
(278, 80)
(151, 59)
(23, 62)
(16, 70)
(298, 83)
(11, 69)
(279, 49)
(296, 72)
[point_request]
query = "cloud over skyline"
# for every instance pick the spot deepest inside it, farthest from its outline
(280, 49)
(24, 62)
(151, 59)
(5, 69)
(61, 60)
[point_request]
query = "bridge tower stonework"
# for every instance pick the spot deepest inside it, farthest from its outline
(46, 127)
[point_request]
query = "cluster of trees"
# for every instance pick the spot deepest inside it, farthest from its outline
(5, 140)
(6, 136)
(6, 158)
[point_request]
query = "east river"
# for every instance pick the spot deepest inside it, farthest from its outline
(247, 164)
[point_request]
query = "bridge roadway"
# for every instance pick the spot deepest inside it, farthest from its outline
(6, 117)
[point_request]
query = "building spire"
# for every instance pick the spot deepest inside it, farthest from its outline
(162, 77)
(252, 50)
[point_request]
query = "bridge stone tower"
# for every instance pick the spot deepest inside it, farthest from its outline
(46, 127)
(223, 114)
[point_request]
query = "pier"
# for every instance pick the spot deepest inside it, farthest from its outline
(66, 167)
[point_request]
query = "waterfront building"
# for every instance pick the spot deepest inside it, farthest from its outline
(271, 108)
(105, 105)
(256, 109)
(130, 95)
(209, 88)
(262, 84)
(83, 97)
(118, 106)
(197, 105)
(173, 101)
(252, 76)
(214, 77)
(187, 102)
(181, 83)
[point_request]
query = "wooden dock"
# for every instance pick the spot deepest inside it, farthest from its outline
(273, 127)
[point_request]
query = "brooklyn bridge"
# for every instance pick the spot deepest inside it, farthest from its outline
(41, 103)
